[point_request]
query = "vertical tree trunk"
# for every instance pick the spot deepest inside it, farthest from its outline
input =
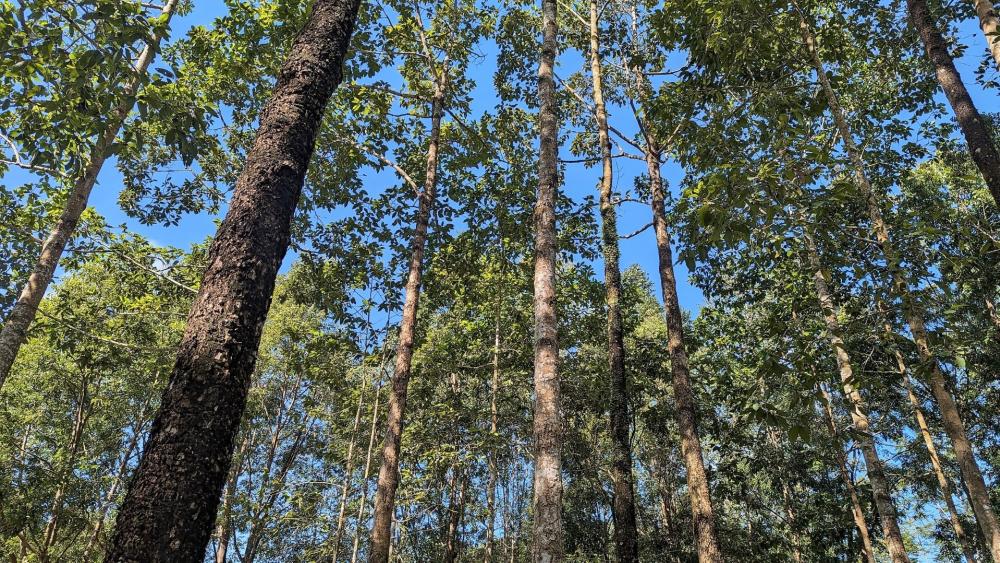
(859, 416)
(364, 475)
(15, 329)
(456, 511)
(223, 528)
(990, 25)
(953, 425)
(845, 475)
(547, 543)
(943, 482)
(345, 488)
(170, 506)
(491, 484)
(623, 499)
(697, 476)
(388, 475)
(977, 134)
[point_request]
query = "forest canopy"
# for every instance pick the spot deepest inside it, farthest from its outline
(479, 280)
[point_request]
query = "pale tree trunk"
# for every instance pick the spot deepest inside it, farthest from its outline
(859, 416)
(491, 484)
(80, 416)
(944, 484)
(856, 511)
(950, 416)
(623, 500)
(345, 488)
(788, 504)
(223, 528)
(547, 540)
(977, 135)
(169, 509)
(117, 481)
(990, 25)
(372, 433)
(15, 329)
(388, 475)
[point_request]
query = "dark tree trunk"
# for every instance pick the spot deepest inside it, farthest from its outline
(170, 506)
(977, 134)
(623, 502)
(547, 542)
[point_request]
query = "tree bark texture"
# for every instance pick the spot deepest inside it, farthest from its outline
(547, 540)
(990, 25)
(623, 510)
(169, 508)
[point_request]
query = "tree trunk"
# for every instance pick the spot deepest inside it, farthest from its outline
(367, 471)
(943, 483)
(491, 484)
(977, 134)
(697, 476)
(345, 488)
(388, 475)
(991, 309)
(170, 506)
(547, 542)
(859, 416)
(845, 475)
(990, 25)
(456, 511)
(623, 503)
(953, 425)
(15, 329)
(223, 529)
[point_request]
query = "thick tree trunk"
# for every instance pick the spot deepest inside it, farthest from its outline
(859, 416)
(170, 506)
(623, 500)
(990, 25)
(953, 425)
(697, 476)
(547, 542)
(15, 329)
(388, 475)
(859, 515)
(977, 134)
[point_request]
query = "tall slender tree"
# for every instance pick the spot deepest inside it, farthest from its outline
(547, 542)
(623, 500)
(170, 506)
(15, 328)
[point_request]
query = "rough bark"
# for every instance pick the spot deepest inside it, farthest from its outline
(977, 134)
(697, 477)
(972, 476)
(856, 511)
(990, 25)
(170, 506)
(388, 475)
(623, 499)
(859, 415)
(15, 329)
(547, 540)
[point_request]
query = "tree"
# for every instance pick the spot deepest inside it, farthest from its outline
(189, 450)
(547, 542)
